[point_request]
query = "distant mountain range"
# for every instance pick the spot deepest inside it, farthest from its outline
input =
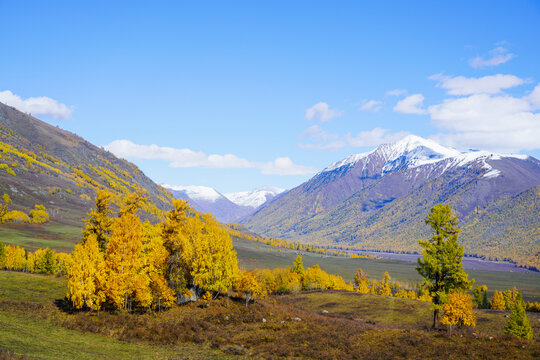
(227, 208)
(43, 164)
(378, 201)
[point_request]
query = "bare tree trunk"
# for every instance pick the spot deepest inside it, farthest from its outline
(435, 318)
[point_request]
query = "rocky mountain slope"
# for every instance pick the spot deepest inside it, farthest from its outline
(43, 164)
(378, 200)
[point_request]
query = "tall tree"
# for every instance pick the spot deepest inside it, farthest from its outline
(85, 276)
(298, 266)
(99, 221)
(4, 208)
(361, 279)
(441, 264)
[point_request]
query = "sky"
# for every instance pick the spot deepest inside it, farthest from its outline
(238, 95)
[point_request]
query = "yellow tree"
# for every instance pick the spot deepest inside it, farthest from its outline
(4, 208)
(385, 288)
(99, 220)
(154, 269)
(176, 237)
(361, 280)
(123, 260)
(248, 284)
(39, 214)
(458, 310)
(497, 301)
(214, 263)
(86, 275)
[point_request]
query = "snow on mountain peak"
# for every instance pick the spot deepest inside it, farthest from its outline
(254, 198)
(196, 192)
(414, 151)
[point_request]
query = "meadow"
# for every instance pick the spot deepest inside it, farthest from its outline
(257, 255)
(311, 325)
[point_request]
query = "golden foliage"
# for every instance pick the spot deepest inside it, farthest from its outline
(458, 310)
(497, 301)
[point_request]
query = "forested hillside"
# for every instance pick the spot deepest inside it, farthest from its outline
(42, 164)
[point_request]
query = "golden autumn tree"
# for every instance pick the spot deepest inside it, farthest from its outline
(99, 220)
(497, 301)
(385, 288)
(154, 268)
(4, 207)
(123, 261)
(176, 233)
(214, 260)
(361, 280)
(458, 310)
(250, 286)
(298, 266)
(86, 275)
(201, 252)
(39, 214)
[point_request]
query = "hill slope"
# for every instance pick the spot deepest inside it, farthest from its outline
(47, 165)
(378, 200)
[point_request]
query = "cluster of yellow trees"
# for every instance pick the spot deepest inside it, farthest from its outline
(38, 215)
(123, 262)
(387, 287)
(506, 300)
(44, 261)
(261, 282)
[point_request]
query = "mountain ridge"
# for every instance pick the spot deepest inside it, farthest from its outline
(356, 201)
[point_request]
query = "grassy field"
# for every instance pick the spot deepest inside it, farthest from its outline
(290, 326)
(395, 312)
(29, 325)
(34, 236)
(256, 255)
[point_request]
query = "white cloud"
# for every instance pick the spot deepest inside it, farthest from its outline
(321, 112)
(37, 105)
(491, 84)
(498, 56)
(396, 92)
(285, 166)
(534, 98)
(498, 123)
(323, 140)
(411, 105)
(372, 105)
(186, 158)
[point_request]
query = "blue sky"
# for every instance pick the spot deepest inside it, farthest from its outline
(239, 95)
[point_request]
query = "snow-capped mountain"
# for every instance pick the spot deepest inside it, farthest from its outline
(226, 208)
(196, 192)
(413, 151)
(379, 199)
(254, 198)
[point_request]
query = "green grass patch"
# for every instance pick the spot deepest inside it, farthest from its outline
(35, 236)
(37, 288)
(40, 339)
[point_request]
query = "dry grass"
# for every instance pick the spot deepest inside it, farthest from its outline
(227, 328)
